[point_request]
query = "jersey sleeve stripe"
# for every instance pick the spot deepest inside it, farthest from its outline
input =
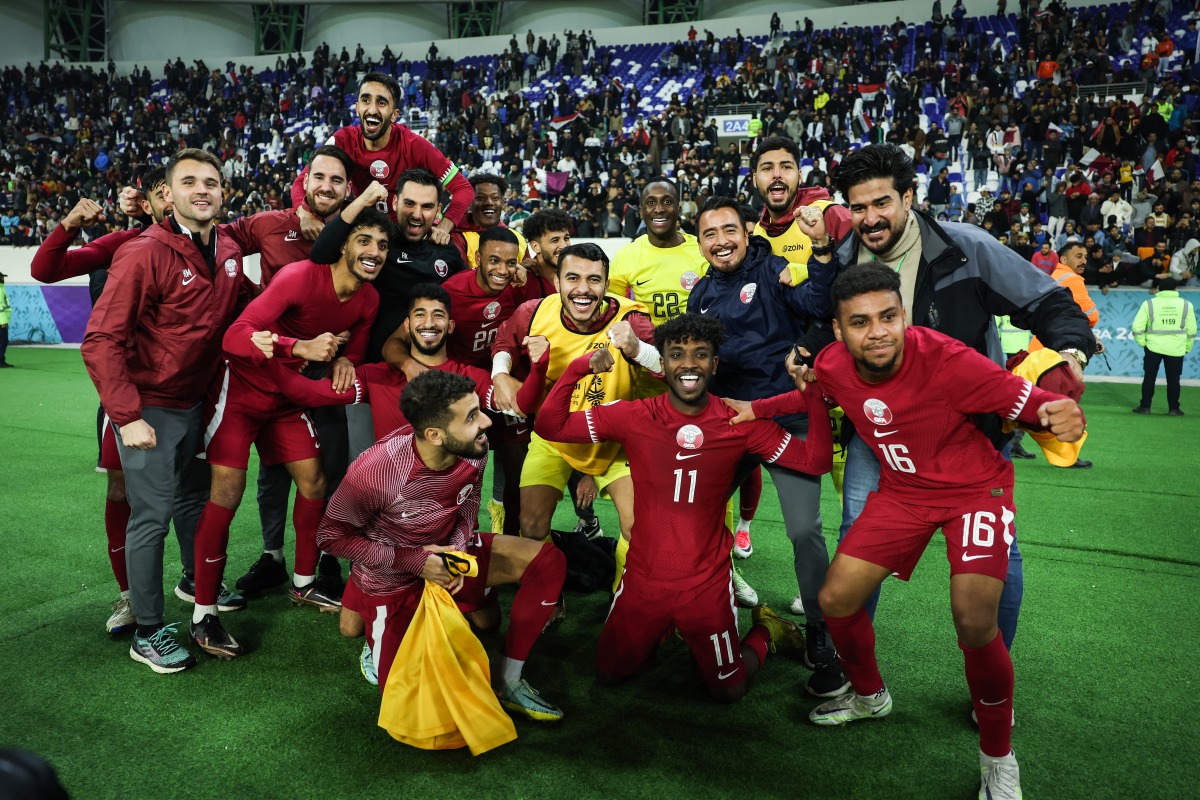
(783, 443)
(591, 426)
(1022, 399)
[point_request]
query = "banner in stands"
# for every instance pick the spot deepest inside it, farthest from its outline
(59, 314)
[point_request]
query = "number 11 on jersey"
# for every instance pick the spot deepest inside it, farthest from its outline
(691, 492)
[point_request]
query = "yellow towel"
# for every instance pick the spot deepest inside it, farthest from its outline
(1034, 367)
(438, 694)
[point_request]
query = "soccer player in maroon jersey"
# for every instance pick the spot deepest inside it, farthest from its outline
(290, 320)
(416, 494)
(913, 391)
(483, 299)
(683, 454)
(382, 149)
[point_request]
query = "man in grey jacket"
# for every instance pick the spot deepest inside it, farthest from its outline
(954, 278)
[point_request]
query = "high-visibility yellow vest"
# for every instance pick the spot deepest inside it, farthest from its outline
(1012, 338)
(1166, 324)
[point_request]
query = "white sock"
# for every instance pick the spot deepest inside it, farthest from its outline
(743, 525)
(510, 671)
(125, 595)
(275, 554)
(875, 700)
(300, 581)
(200, 611)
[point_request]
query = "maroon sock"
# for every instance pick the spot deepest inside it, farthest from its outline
(854, 638)
(541, 586)
(750, 494)
(306, 518)
(758, 639)
(212, 540)
(990, 679)
(116, 520)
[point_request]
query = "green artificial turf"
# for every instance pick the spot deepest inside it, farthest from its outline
(1105, 657)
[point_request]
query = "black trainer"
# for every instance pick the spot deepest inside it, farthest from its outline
(828, 681)
(818, 650)
(185, 590)
(211, 637)
(329, 577)
(267, 573)
(310, 595)
(1021, 452)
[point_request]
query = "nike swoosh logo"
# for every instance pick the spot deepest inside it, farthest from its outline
(639, 283)
(551, 603)
(214, 560)
(682, 457)
(704, 310)
(723, 675)
(880, 435)
(117, 550)
(975, 558)
(291, 237)
(997, 703)
(407, 514)
(186, 281)
(489, 324)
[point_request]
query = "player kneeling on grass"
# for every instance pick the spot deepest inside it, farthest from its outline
(415, 494)
(916, 390)
(682, 455)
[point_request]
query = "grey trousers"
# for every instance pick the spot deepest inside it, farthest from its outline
(165, 482)
(800, 502)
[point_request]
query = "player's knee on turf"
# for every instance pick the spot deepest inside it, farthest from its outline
(729, 694)
(312, 486)
(535, 522)
(351, 624)
(975, 624)
(228, 486)
(486, 619)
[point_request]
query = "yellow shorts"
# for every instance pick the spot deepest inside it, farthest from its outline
(545, 466)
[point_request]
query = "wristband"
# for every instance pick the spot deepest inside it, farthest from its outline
(825, 249)
(501, 364)
(649, 357)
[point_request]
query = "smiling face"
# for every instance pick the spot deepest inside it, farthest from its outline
(325, 185)
(195, 193)
(723, 241)
(429, 324)
(660, 210)
(688, 366)
(466, 435)
(416, 208)
(872, 326)
(777, 179)
(549, 245)
(581, 287)
(376, 110)
(155, 203)
(487, 205)
(365, 252)
(878, 213)
(496, 264)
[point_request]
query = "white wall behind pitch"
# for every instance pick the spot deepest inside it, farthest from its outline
(519, 16)
(373, 24)
(21, 34)
(151, 32)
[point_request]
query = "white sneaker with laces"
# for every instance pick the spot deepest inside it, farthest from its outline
(1000, 779)
(122, 617)
(743, 592)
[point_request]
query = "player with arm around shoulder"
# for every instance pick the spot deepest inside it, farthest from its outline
(913, 391)
(683, 454)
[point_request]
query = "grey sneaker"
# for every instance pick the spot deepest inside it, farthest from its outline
(851, 707)
(185, 590)
(523, 699)
(122, 619)
(161, 652)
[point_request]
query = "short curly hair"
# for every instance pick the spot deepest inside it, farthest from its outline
(427, 398)
(689, 328)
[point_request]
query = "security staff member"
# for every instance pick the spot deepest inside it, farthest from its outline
(1166, 326)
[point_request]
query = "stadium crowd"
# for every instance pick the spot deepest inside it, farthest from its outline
(456, 316)
(1014, 119)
